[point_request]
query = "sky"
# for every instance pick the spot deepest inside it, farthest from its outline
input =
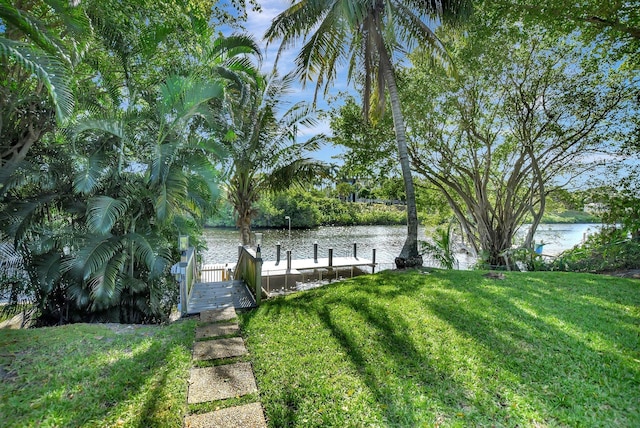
(257, 24)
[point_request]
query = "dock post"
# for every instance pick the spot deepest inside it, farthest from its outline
(330, 256)
(288, 260)
(278, 246)
(258, 277)
(373, 263)
(315, 252)
(355, 250)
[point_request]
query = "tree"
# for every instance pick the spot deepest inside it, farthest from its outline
(618, 21)
(365, 35)
(40, 44)
(93, 211)
(370, 146)
(264, 154)
(499, 138)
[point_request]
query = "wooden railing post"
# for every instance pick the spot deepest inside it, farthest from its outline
(184, 303)
(258, 277)
(373, 264)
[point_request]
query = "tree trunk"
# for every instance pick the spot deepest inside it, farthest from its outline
(409, 256)
(244, 222)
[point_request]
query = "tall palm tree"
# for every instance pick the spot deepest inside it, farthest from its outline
(263, 152)
(365, 35)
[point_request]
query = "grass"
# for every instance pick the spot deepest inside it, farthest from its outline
(95, 375)
(451, 348)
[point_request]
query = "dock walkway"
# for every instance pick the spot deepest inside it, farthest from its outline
(270, 267)
(219, 295)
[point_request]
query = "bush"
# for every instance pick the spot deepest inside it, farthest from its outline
(308, 210)
(609, 250)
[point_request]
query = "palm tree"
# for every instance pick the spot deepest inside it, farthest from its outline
(37, 55)
(264, 155)
(365, 34)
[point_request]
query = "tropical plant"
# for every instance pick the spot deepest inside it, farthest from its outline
(40, 43)
(442, 249)
(365, 35)
(264, 153)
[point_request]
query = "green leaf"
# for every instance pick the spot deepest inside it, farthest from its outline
(103, 212)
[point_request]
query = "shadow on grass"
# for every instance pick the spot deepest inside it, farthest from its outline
(568, 356)
(541, 356)
(95, 376)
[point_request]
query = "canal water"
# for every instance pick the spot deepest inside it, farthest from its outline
(387, 240)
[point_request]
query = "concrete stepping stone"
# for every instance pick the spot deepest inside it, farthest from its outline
(219, 348)
(215, 330)
(247, 416)
(215, 315)
(220, 382)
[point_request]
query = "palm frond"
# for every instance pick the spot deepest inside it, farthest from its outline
(87, 178)
(299, 172)
(47, 69)
(104, 283)
(103, 212)
(113, 126)
(33, 29)
(92, 257)
(49, 270)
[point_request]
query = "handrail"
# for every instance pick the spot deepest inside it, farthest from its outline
(249, 269)
(188, 274)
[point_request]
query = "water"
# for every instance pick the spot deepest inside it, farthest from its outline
(387, 240)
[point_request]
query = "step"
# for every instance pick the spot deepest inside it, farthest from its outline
(219, 348)
(220, 382)
(246, 416)
(216, 315)
(215, 330)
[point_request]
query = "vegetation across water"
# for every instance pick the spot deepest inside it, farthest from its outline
(451, 349)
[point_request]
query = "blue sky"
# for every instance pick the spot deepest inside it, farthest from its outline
(257, 24)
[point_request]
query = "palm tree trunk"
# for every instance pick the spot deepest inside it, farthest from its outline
(409, 256)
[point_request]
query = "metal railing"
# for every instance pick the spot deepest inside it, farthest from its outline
(187, 271)
(249, 269)
(215, 273)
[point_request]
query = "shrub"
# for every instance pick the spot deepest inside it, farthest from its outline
(610, 249)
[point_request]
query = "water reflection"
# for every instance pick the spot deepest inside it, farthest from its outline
(387, 240)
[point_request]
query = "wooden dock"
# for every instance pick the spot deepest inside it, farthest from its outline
(277, 279)
(216, 295)
(215, 289)
(272, 268)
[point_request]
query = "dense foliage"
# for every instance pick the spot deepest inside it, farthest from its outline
(611, 249)
(309, 209)
(508, 130)
(104, 176)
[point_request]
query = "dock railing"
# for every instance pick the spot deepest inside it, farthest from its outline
(249, 269)
(187, 271)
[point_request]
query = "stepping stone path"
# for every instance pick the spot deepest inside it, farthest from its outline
(222, 381)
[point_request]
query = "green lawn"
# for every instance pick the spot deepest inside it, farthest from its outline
(394, 349)
(451, 349)
(95, 376)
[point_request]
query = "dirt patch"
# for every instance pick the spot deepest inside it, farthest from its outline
(626, 273)
(126, 328)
